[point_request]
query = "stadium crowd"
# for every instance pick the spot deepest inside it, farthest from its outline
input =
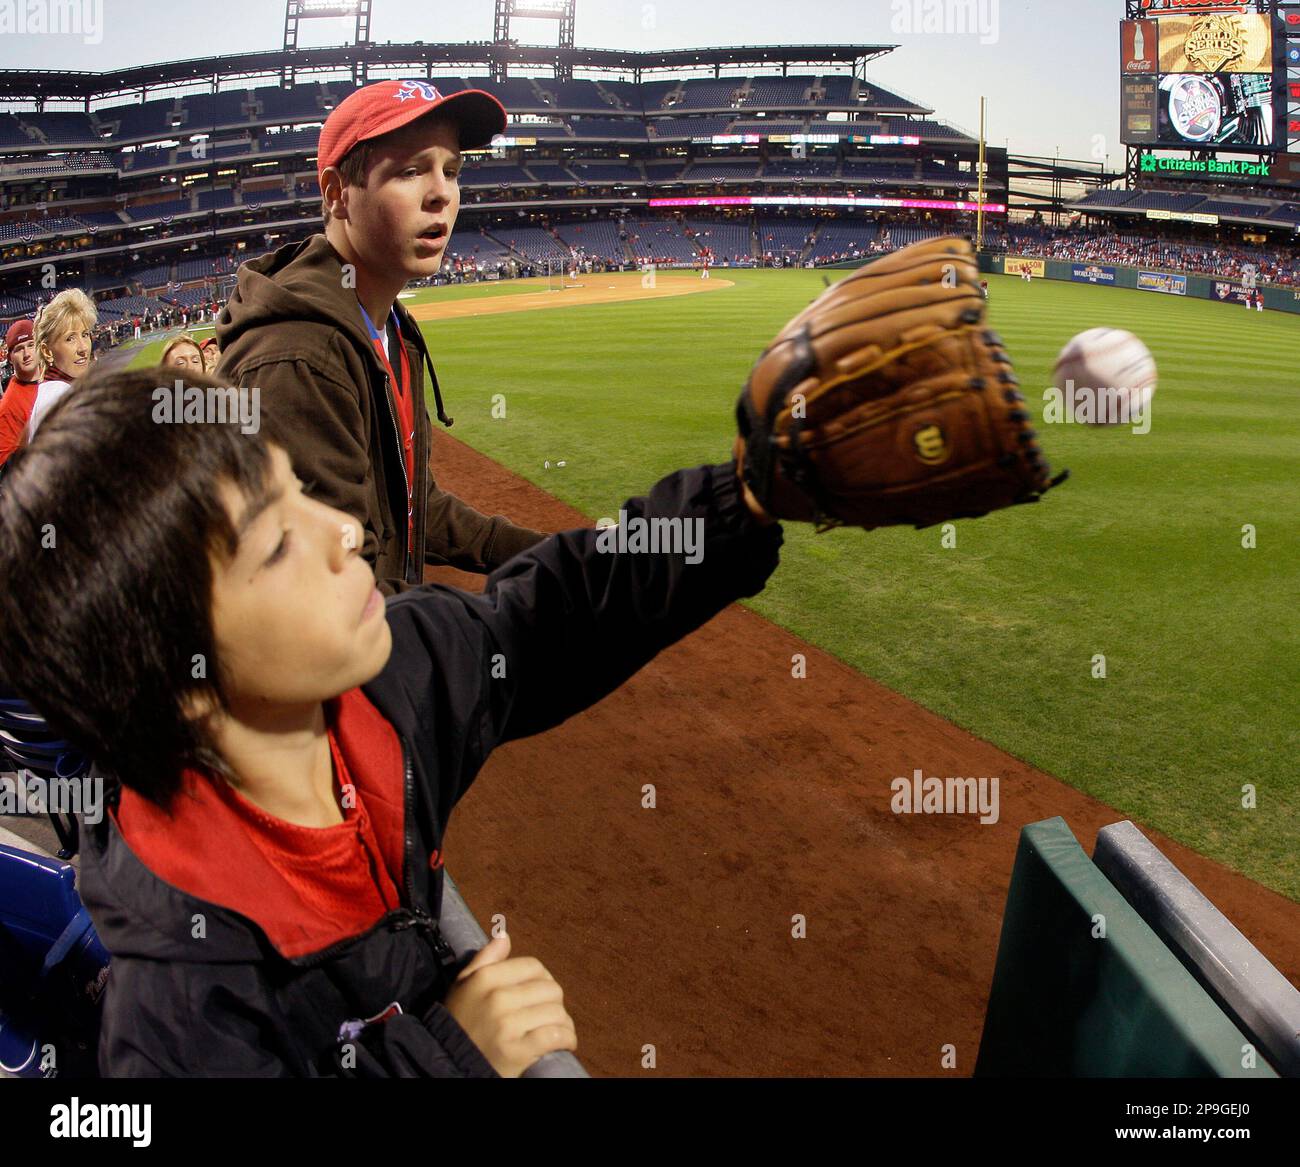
(1107, 246)
(781, 242)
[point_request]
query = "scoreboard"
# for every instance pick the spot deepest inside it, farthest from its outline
(1289, 17)
(1211, 77)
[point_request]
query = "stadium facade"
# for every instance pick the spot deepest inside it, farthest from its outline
(150, 185)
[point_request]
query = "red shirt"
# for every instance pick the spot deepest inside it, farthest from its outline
(405, 401)
(404, 404)
(305, 887)
(15, 412)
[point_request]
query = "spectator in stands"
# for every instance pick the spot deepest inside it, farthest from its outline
(182, 353)
(62, 331)
(317, 326)
(296, 793)
(20, 347)
(302, 812)
(20, 395)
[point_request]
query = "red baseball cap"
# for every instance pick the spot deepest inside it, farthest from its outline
(19, 331)
(385, 106)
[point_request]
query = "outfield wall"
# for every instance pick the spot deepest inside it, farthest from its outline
(1154, 280)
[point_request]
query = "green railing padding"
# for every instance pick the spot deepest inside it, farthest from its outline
(1084, 988)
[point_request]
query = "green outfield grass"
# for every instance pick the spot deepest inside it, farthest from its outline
(1139, 558)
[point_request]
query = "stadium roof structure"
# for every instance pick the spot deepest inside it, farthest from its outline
(41, 85)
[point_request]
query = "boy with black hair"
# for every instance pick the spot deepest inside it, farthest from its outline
(317, 326)
(282, 747)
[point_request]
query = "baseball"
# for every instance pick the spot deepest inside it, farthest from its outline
(1107, 377)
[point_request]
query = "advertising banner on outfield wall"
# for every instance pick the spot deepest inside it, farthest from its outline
(1159, 281)
(1092, 274)
(1017, 265)
(1232, 293)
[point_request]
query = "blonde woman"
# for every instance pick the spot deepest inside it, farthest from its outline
(183, 353)
(63, 347)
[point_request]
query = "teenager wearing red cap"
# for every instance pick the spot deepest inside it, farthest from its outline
(21, 348)
(20, 395)
(317, 327)
(31, 347)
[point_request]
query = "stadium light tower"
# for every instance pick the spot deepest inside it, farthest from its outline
(562, 11)
(296, 10)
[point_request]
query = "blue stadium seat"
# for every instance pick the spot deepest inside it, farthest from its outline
(598, 238)
(778, 92)
(589, 173)
(52, 968)
(710, 94)
(689, 127)
(550, 172)
(41, 754)
(614, 129)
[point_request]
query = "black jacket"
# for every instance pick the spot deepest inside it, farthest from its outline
(571, 622)
(293, 330)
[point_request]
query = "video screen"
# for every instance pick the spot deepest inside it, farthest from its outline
(1216, 42)
(1216, 110)
(1204, 80)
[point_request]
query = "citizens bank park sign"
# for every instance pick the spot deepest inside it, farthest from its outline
(1199, 169)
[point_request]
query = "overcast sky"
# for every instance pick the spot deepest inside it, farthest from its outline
(1049, 69)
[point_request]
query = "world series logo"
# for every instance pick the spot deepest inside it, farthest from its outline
(1215, 41)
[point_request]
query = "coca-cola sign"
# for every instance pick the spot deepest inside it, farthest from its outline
(1140, 46)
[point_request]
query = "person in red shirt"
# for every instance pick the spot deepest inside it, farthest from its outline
(269, 867)
(20, 396)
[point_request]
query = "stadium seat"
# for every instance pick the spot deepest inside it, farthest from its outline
(53, 968)
(41, 755)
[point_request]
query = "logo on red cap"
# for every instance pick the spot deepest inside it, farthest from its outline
(410, 89)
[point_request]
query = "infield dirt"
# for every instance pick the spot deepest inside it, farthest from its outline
(609, 288)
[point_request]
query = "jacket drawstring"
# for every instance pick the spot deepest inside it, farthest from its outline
(437, 393)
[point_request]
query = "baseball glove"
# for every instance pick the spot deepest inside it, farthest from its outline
(889, 401)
